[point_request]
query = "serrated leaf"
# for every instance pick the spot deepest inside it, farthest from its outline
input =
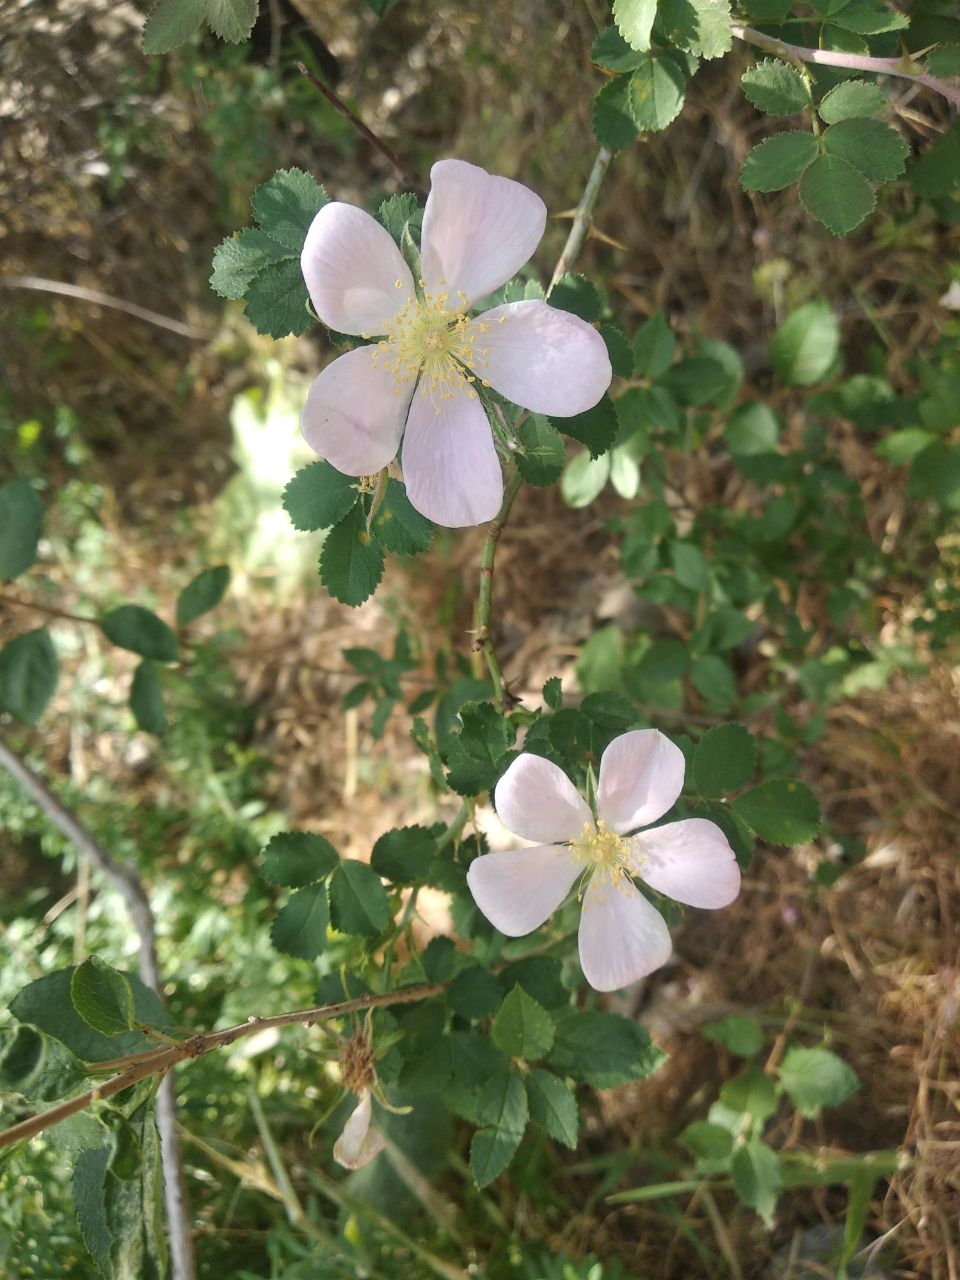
(618, 349)
(610, 50)
(102, 997)
(553, 693)
(870, 146)
(553, 1105)
(475, 752)
(540, 457)
(300, 928)
(522, 1029)
(603, 1049)
(780, 811)
(937, 173)
(653, 347)
(775, 88)
(577, 295)
(396, 212)
(89, 1175)
(868, 19)
(399, 526)
(28, 675)
(806, 345)
(231, 20)
(503, 1107)
(836, 194)
(724, 759)
(613, 125)
(778, 162)
(851, 99)
(285, 205)
(276, 300)
(816, 1078)
(634, 19)
(596, 428)
(351, 563)
(944, 61)
(141, 631)
(202, 593)
(404, 855)
(757, 1176)
(656, 92)
(298, 858)
(21, 523)
(319, 496)
(237, 260)
(146, 699)
(170, 24)
(706, 33)
(358, 900)
(475, 993)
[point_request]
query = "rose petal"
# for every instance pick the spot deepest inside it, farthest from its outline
(641, 775)
(518, 889)
(546, 360)
(358, 1143)
(537, 801)
(690, 861)
(450, 466)
(622, 937)
(354, 415)
(355, 275)
(478, 230)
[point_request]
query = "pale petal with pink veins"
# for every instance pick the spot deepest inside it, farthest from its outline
(355, 412)
(689, 861)
(518, 889)
(641, 776)
(355, 275)
(541, 358)
(451, 469)
(478, 230)
(537, 801)
(622, 937)
(358, 1143)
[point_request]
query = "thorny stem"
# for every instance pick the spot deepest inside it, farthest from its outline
(159, 1061)
(900, 67)
(583, 217)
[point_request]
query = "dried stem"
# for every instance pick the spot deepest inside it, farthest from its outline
(101, 299)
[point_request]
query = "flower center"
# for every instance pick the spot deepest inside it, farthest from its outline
(598, 846)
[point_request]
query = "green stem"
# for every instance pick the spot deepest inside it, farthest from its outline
(483, 642)
(583, 217)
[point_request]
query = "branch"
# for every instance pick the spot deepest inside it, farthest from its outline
(101, 299)
(582, 217)
(853, 61)
(159, 1061)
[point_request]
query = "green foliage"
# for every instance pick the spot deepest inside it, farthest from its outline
(724, 759)
(806, 345)
(603, 1049)
(540, 457)
(613, 122)
(351, 562)
(404, 855)
(141, 631)
(780, 811)
(102, 997)
(850, 100)
(503, 1111)
(475, 753)
(318, 496)
(778, 162)
(577, 295)
(816, 1078)
(298, 858)
(358, 900)
(146, 699)
(398, 526)
(870, 146)
(553, 1105)
(202, 593)
(596, 428)
(522, 1029)
(836, 193)
(300, 928)
(775, 88)
(742, 1036)
(28, 675)
(634, 19)
(171, 23)
(21, 523)
(757, 1177)
(656, 92)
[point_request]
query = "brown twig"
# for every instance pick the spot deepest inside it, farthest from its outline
(101, 299)
(49, 609)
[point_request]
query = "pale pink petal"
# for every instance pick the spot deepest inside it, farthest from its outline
(537, 801)
(641, 775)
(690, 861)
(519, 889)
(450, 466)
(355, 275)
(622, 937)
(358, 1143)
(541, 358)
(355, 412)
(478, 231)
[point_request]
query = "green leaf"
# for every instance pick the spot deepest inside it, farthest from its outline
(634, 18)
(475, 752)
(102, 997)
(146, 699)
(697, 380)
(47, 1005)
(237, 260)
(653, 347)
(603, 1049)
(522, 1029)
(231, 20)
(202, 594)
(404, 855)
(596, 428)
(276, 300)
(399, 526)
(851, 99)
(901, 447)
(944, 61)
(553, 1105)
(778, 162)
(300, 928)
(752, 429)
(610, 50)
(351, 563)
(656, 92)
(836, 193)
(870, 146)
(724, 759)
(780, 811)
(805, 347)
(935, 473)
(170, 24)
(613, 124)
(690, 566)
(298, 858)
(89, 1176)
(577, 295)
(358, 900)
(815, 1078)
(475, 993)
(868, 19)
(318, 496)
(286, 204)
(553, 693)
(396, 212)
(618, 349)
(584, 478)
(503, 1107)
(700, 26)
(741, 1036)
(757, 1177)
(141, 631)
(750, 1093)
(710, 1143)
(28, 675)
(937, 173)
(713, 678)
(775, 88)
(21, 523)
(540, 457)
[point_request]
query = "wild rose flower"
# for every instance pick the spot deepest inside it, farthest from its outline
(418, 383)
(622, 936)
(358, 1143)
